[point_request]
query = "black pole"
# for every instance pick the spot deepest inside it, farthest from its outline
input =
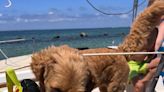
(157, 74)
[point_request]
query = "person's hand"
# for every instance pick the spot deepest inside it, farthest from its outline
(139, 86)
(154, 63)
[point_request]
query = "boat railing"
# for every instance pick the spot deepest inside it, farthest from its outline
(6, 57)
(11, 41)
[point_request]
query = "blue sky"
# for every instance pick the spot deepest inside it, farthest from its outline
(58, 14)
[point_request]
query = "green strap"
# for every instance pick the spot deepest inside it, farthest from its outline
(12, 80)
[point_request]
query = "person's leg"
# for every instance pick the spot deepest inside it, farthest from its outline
(140, 82)
(160, 36)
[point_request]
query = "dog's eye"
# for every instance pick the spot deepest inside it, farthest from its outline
(56, 90)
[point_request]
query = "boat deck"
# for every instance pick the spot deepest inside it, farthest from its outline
(23, 71)
(16, 63)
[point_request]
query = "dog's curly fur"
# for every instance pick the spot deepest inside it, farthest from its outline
(142, 29)
(109, 73)
(60, 67)
(64, 69)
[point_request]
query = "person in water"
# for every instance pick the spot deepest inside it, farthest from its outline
(140, 82)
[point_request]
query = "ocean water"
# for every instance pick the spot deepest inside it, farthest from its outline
(36, 40)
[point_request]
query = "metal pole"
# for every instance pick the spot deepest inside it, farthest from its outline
(135, 8)
(157, 74)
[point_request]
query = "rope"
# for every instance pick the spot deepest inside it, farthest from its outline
(121, 13)
(121, 53)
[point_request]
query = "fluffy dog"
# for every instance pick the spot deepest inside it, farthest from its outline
(64, 69)
(142, 34)
(60, 69)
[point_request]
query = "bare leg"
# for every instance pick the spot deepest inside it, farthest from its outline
(140, 82)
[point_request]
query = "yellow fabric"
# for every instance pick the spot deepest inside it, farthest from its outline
(136, 68)
(143, 68)
(12, 80)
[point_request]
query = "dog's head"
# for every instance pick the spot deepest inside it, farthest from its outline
(60, 69)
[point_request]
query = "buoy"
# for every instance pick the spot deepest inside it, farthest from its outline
(105, 34)
(56, 37)
(82, 34)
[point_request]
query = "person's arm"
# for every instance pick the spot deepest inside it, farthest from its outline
(160, 36)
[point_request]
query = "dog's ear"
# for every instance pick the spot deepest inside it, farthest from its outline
(38, 70)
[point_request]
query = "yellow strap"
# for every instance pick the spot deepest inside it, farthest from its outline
(12, 80)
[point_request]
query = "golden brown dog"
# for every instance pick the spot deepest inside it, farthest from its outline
(64, 69)
(142, 34)
(60, 69)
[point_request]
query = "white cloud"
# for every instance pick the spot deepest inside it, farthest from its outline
(61, 19)
(26, 20)
(18, 19)
(1, 14)
(97, 14)
(77, 15)
(124, 16)
(2, 22)
(50, 13)
(34, 20)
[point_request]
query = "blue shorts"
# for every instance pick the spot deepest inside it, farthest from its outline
(161, 49)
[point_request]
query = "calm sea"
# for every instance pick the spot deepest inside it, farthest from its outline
(36, 40)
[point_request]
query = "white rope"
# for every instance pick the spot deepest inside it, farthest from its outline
(121, 53)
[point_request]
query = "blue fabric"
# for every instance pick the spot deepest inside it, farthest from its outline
(162, 74)
(162, 47)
